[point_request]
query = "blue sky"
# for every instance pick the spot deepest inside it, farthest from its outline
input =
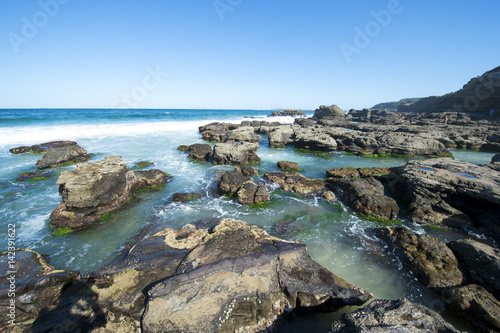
(240, 53)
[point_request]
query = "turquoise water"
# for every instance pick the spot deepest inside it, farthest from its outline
(335, 236)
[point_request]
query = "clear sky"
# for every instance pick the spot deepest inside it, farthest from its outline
(244, 54)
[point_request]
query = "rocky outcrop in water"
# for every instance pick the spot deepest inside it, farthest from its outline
(450, 193)
(296, 183)
(235, 153)
(30, 286)
(365, 196)
(432, 262)
(246, 170)
(288, 166)
(200, 152)
(97, 188)
(68, 154)
(288, 113)
(41, 148)
(400, 316)
(477, 97)
(233, 183)
(185, 197)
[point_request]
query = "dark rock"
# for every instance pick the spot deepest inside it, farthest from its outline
(231, 287)
(332, 112)
(496, 159)
(247, 191)
(432, 262)
(200, 152)
(185, 197)
(34, 176)
(296, 183)
(304, 122)
(400, 316)
(97, 188)
(476, 304)
(62, 155)
(41, 148)
(288, 166)
(446, 192)
(365, 196)
(33, 284)
(479, 262)
(230, 182)
(338, 173)
(246, 170)
(183, 148)
(235, 153)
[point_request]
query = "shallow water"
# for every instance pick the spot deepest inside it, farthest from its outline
(335, 236)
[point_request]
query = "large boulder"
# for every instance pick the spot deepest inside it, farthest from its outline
(97, 188)
(296, 183)
(288, 166)
(479, 262)
(41, 148)
(332, 112)
(476, 304)
(200, 152)
(65, 154)
(432, 262)
(400, 316)
(365, 196)
(235, 153)
(314, 138)
(216, 132)
(30, 285)
(222, 286)
(243, 134)
(451, 193)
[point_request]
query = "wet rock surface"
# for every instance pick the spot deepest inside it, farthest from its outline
(97, 188)
(246, 170)
(393, 316)
(288, 166)
(62, 155)
(200, 152)
(34, 285)
(432, 262)
(186, 197)
(233, 183)
(365, 196)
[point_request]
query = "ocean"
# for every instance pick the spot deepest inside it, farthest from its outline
(335, 236)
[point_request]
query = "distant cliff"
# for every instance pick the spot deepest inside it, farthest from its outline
(393, 106)
(478, 97)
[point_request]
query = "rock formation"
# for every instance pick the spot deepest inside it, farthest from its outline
(62, 155)
(235, 153)
(296, 183)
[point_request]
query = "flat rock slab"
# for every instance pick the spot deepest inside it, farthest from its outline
(239, 278)
(41, 148)
(400, 316)
(446, 192)
(296, 183)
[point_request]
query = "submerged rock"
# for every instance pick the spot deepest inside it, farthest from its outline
(365, 196)
(34, 175)
(235, 153)
(97, 188)
(288, 166)
(476, 304)
(141, 165)
(479, 262)
(41, 148)
(62, 155)
(185, 197)
(446, 192)
(432, 262)
(400, 316)
(30, 286)
(296, 183)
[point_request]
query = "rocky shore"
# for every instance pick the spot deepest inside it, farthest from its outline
(227, 276)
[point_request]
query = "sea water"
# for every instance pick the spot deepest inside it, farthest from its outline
(335, 236)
